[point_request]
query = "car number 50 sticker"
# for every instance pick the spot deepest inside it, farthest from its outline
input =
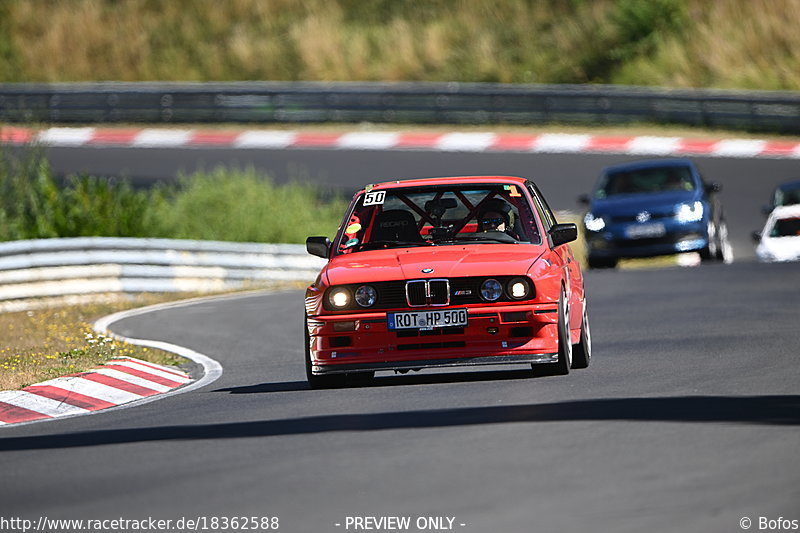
(374, 198)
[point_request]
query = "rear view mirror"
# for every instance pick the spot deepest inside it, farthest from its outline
(319, 246)
(438, 207)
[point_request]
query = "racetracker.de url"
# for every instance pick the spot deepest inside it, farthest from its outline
(44, 524)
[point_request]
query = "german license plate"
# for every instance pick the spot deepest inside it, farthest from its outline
(645, 231)
(441, 318)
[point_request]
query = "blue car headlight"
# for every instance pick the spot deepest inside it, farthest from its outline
(689, 212)
(593, 223)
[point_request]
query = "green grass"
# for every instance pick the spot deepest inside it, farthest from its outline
(245, 206)
(226, 205)
(750, 44)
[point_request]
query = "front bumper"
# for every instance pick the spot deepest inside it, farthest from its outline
(678, 238)
(512, 334)
(436, 363)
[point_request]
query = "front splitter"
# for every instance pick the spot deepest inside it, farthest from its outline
(319, 370)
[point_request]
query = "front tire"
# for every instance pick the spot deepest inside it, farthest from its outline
(582, 352)
(723, 246)
(706, 255)
(562, 365)
(713, 250)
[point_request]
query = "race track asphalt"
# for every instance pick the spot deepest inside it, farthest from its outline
(687, 420)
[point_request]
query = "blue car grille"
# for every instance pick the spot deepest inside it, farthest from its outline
(633, 217)
(637, 243)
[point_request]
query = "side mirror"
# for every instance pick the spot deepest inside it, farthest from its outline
(583, 199)
(319, 246)
(713, 187)
(563, 233)
(766, 210)
(756, 237)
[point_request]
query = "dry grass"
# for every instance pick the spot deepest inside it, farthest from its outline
(46, 343)
(684, 43)
(731, 44)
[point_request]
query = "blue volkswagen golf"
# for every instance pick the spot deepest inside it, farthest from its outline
(652, 208)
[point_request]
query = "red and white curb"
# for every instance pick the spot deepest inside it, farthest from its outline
(117, 382)
(361, 140)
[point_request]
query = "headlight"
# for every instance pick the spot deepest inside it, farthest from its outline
(518, 289)
(491, 290)
(689, 212)
(366, 295)
(593, 223)
(339, 298)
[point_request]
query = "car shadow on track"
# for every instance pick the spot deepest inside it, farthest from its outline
(758, 410)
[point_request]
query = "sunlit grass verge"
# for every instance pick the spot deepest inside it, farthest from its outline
(43, 344)
(657, 262)
(578, 246)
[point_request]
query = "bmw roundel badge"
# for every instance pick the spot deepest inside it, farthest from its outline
(427, 270)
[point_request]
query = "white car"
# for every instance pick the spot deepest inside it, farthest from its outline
(780, 238)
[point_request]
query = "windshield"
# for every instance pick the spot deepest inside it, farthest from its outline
(788, 195)
(646, 180)
(438, 216)
(785, 227)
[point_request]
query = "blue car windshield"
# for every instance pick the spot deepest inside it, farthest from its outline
(787, 195)
(645, 181)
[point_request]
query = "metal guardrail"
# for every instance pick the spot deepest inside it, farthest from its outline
(86, 265)
(454, 103)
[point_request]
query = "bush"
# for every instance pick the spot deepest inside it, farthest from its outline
(95, 206)
(227, 205)
(30, 202)
(245, 206)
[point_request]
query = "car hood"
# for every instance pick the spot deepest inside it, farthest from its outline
(446, 262)
(634, 203)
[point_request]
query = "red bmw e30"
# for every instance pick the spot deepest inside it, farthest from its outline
(440, 272)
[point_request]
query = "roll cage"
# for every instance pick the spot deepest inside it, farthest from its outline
(429, 207)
